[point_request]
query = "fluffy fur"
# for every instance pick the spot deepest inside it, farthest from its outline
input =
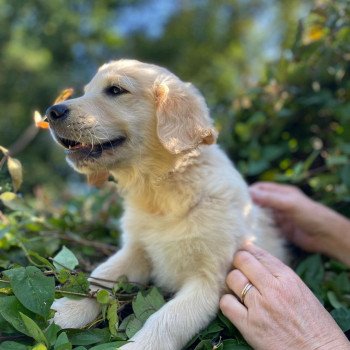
(187, 210)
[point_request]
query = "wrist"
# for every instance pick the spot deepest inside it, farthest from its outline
(333, 232)
(341, 343)
(336, 243)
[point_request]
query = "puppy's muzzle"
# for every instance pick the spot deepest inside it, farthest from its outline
(57, 113)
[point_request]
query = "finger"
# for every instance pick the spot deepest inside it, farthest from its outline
(237, 281)
(252, 268)
(272, 186)
(274, 200)
(233, 310)
(275, 266)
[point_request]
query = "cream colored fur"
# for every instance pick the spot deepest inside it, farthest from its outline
(187, 210)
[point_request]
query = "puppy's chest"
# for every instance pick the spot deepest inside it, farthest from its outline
(179, 249)
(171, 249)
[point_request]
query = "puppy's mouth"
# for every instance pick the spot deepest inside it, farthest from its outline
(94, 150)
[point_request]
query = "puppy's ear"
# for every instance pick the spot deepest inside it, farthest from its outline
(97, 179)
(183, 120)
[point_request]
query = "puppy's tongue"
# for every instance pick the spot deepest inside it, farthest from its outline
(79, 146)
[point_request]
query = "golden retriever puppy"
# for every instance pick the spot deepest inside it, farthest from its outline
(187, 210)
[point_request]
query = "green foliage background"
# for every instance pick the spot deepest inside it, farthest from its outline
(283, 120)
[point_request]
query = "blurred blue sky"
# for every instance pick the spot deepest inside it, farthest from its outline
(150, 17)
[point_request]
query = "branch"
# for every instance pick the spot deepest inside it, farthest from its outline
(24, 140)
(104, 248)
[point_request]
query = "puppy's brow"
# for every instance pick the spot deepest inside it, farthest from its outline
(123, 81)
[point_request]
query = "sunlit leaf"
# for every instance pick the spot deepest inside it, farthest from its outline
(314, 33)
(12, 201)
(64, 95)
(112, 317)
(4, 150)
(65, 259)
(33, 329)
(40, 121)
(15, 169)
(103, 296)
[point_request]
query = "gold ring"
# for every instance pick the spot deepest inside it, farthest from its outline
(245, 291)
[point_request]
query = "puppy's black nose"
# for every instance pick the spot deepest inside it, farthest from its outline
(56, 112)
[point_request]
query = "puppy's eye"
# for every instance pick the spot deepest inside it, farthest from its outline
(115, 90)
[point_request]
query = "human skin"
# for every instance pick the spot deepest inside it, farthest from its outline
(279, 311)
(308, 224)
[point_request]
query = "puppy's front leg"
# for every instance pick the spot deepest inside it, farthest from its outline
(130, 261)
(171, 327)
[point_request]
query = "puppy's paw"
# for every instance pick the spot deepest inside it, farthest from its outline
(72, 313)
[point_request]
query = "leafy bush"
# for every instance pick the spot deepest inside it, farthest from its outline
(292, 127)
(309, 85)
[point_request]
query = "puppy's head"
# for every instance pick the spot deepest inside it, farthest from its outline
(128, 109)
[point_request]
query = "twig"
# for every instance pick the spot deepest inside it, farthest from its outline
(104, 248)
(26, 253)
(77, 294)
(24, 140)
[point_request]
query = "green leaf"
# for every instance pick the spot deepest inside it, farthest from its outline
(65, 259)
(10, 308)
(32, 288)
(311, 270)
(204, 345)
(231, 344)
(109, 346)
(6, 326)
(103, 296)
(342, 317)
(211, 330)
(89, 337)
(345, 175)
(342, 283)
(112, 317)
(40, 259)
(133, 326)
(34, 330)
(12, 345)
(51, 333)
(76, 283)
(145, 305)
(334, 300)
(62, 342)
(230, 328)
(12, 201)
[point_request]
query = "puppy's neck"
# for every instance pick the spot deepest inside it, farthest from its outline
(162, 187)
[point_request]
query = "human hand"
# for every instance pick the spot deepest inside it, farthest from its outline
(310, 225)
(279, 311)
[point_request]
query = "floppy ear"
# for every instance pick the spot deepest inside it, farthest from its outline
(183, 120)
